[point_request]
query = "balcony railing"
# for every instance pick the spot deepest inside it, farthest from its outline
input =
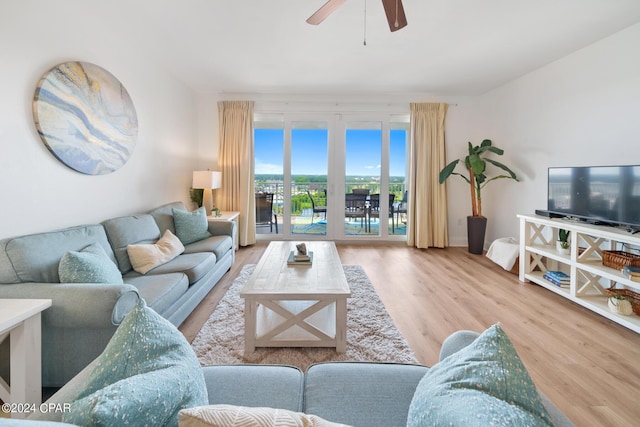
(300, 204)
(300, 200)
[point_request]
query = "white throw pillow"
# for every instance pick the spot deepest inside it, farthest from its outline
(241, 416)
(145, 257)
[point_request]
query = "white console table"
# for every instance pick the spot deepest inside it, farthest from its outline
(20, 321)
(589, 277)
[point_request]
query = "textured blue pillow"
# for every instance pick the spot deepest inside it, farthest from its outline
(483, 384)
(144, 377)
(191, 226)
(90, 265)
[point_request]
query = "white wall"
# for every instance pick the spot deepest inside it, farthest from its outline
(579, 110)
(583, 109)
(37, 191)
(207, 131)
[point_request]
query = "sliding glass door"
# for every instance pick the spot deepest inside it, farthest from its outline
(362, 173)
(398, 173)
(309, 161)
(269, 166)
(336, 177)
(291, 161)
(376, 167)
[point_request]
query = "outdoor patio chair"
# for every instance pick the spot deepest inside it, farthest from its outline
(364, 191)
(401, 207)
(264, 211)
(317, 209)
(374, 210)
(355, 207)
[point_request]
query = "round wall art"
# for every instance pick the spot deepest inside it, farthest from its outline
(85, 117)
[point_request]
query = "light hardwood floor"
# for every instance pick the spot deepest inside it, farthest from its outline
(588, 365)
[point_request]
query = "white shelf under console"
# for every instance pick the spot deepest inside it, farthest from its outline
(589, 277)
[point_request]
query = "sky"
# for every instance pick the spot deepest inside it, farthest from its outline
(309, 152)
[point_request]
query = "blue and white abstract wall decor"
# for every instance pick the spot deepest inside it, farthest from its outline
(85, 117)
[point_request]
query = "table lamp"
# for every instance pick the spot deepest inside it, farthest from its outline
(208, 181)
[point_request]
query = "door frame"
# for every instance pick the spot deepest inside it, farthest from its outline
(336, 174)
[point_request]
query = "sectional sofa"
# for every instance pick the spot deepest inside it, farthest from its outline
(149, 375)
(99, 283)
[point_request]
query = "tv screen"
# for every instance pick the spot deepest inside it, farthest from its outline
(599, 194)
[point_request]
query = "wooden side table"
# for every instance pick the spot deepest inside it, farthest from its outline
(229, 216)
(20, 320)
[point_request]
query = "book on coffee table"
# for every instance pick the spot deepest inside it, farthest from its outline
(296, 258)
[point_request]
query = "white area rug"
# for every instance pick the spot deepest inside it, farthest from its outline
(371, 334)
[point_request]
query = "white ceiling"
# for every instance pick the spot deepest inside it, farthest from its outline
(450, 47)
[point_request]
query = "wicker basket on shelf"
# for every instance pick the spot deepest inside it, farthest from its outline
(619, 259)
(629, 295)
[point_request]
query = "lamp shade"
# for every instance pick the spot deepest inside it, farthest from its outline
(207, 179)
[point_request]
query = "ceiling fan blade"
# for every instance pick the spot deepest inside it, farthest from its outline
(395, 14)
(327, 9)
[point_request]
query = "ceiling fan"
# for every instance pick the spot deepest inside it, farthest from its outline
(393, 9)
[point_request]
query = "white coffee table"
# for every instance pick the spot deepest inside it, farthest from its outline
(296, 306)
(20, 321)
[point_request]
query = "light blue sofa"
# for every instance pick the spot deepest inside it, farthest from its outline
(359, 394)
(83, 316)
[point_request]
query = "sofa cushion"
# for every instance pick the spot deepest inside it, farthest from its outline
(164, 216)
(276, 386)
(191, 226)
(145, 376)
(195, 266)
(16, 422)
(130, 230)
(219, 245)
(159, 291)
(243, 416)
(483, 384)
(35, 257)
(370, 394)
(144, 257)
(90, 265)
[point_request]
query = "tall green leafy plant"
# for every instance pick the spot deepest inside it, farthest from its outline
(196, 195)
(476, 167)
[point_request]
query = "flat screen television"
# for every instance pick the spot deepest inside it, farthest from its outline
(608, 195)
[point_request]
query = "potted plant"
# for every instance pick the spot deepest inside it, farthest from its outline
(475, 164)
(196, 195)
(562, 245)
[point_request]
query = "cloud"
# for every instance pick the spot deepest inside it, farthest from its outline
(267, 168)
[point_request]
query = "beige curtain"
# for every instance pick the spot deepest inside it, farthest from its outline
(427, 207)
(235, 159)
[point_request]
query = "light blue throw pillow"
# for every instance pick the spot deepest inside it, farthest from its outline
(90, 265)
(144, 377)
(191, 226)
(483, 384)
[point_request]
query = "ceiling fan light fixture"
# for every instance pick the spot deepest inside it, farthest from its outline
(392, 8)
